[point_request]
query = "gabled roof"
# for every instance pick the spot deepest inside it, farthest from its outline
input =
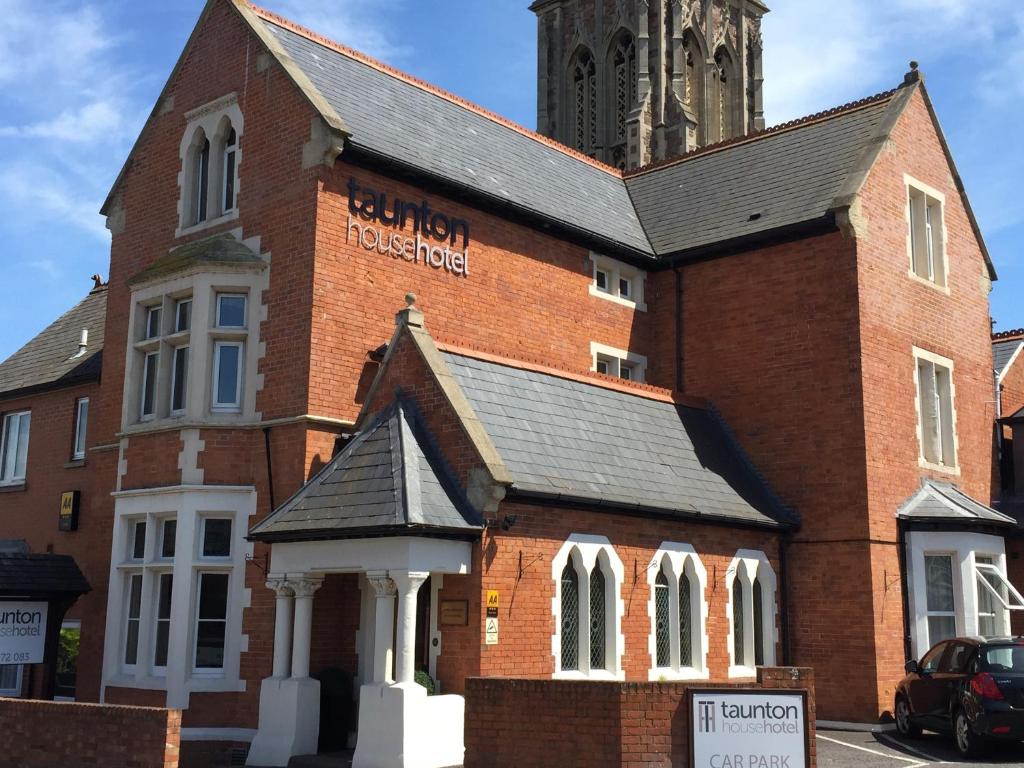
(52, 359)
(575, 441)
(389, 481)
(1003, 354)
(945, 503)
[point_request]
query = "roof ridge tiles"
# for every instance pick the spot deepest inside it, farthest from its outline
(1011, 335)
(799, 122)
(604, 381)
(435, 90)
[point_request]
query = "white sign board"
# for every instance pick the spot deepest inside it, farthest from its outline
(748, 729)
(22, 632)
(490, 631)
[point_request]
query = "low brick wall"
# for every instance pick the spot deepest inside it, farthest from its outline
(55, 734)
(557, 723)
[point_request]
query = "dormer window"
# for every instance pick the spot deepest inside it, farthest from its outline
(210, 155)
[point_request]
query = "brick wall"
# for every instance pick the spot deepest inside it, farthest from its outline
(44, 734)
(515, 722)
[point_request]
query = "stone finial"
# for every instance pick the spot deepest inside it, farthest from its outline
(914, 75)
(410, 315)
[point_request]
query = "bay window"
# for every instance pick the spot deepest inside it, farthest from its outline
(14, 447)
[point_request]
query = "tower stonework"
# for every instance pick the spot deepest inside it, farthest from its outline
(631, 82)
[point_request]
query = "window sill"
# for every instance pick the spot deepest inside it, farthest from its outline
(943, 289)
(925, 464)
(75, 463)
(595, 675)
(741, 672)
(669, 675)
(231, 215)
(598, 293)
(13, 487)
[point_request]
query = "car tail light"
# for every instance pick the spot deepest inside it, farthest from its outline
(1001, 729)
(985, 686)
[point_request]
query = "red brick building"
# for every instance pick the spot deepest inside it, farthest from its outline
(606, 405)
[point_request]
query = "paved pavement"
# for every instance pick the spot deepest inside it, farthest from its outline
(839, 749)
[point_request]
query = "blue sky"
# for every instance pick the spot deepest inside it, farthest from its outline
(78, 77)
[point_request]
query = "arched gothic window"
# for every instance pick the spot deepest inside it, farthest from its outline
(678, 644)
(199, 177)
(751, 92)
(228, 171)
(210, 158)
(694, 76)
(752, 609)
(724, 101)
(584, 82)
(588, 640)
(622, 77)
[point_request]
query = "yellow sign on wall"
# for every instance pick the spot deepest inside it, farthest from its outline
(492, 598)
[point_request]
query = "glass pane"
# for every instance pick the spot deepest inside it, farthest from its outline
(170, 530)
(570, 618)
(597, 619)
(163, 633)
(153, 322)
(662, 636)
(163, 625)
(739, 644)
(602, 280)
(149, 384)
(202, 180)
(163, 610)
(67, 661)
(217, 537)
(8, 677)
(183, 315)
(939, 578)
(229, 180)
(21, 457)
(624, 288)
(139, 541)
(685, 623)
(941, 628)
(1003, 658)
(81, 425)
(227, 374)
(179, 379)
(135, 597)
(230, 311)
(213, 596)
(131, 644)
(758, 625)
(210, 645)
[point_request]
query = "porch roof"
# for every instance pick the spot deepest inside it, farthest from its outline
(40, 575)
(943, 502)
(389, 481)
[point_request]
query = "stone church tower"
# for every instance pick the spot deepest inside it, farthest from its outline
(635, 81)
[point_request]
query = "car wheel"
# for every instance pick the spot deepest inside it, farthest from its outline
(968, 743)
(904, 725)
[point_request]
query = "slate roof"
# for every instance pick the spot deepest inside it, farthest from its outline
(389, 480)
(944, 502)
(40, 574)
(779, 179)
(574, 441)
(1003, 352)
(51, 359)
(395, 119)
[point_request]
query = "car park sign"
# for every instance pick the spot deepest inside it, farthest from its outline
(22, 632)
(749, 728)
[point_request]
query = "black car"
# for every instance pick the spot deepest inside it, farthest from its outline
(968, 687)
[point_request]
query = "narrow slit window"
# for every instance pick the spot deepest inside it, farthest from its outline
(163, 619)
(598, 658)
(685, 623)
(758, 601)
(663, 636)
(179, 379)
(211, 621)
(230, 149)
(201, 180)
(227, 375)
(81, 426)
(738, 629)
(149, 380)
(134, 617)
(570, 618)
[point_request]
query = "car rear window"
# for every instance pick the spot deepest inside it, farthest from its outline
(1003, 658)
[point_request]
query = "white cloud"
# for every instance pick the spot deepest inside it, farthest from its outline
(40, 195)
(353, 23)
(91, 123)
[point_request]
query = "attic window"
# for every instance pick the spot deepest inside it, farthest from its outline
(210, 157)
(926, 233)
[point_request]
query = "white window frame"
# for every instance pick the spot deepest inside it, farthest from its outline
(15, 692)
(81, 429)
(160, 670)
(128, 579)
(175, 373)
(215, 405)
(615, 271)
(1015, 601)
(179, 305)
(5, 438)
(209, 568)
(755, 566)
(149, 312)
(245, 310)
(921, 203)
(947, 442)
(615, 358)
(585, 551)
(674, 559)
(143, 416)
(953, 614)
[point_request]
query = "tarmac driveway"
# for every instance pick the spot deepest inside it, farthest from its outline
(841, 749)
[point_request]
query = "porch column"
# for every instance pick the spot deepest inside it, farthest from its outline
(383, 626)
(303, 589)
(285, 598)
(408, 585)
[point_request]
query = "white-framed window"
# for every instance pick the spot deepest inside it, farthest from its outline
(936, 412)
(14, 447)
(617, 281)
(10, 680)
(940, 598)
(81, 427)
(133, 620)
(210, 153)
(227, 375)
(152, 329)
(183, 315)
(231, 310)
(179, 379)
(619, 363)
(587, 642)
(168, 537)
(137, 539)
(211, 621)
(150, 373)
(750, 583)
(678, 611)
(926, 233)
(162, 630)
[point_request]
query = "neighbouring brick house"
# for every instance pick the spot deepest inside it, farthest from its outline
(728, 410)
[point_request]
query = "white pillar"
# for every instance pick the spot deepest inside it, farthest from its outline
(407, 585)
(383, 626)
(304, 589)
(282, 626)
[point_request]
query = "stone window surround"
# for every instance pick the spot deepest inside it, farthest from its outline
(756, 565)
(188, 505)
(923, 354)
(639, 362)
(964, 547)
(587, 551)
(210, 118)
(912, 185)
(200, 339)
(679, 558)
(616, 269)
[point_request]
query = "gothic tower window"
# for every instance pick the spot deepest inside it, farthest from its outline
(751, 87)
(584, 83)
(694, 77)
(623, 79)
(724, 102)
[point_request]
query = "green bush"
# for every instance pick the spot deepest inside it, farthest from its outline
(426, 681)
